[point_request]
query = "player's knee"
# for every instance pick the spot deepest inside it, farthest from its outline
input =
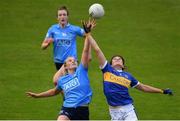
(63, 118)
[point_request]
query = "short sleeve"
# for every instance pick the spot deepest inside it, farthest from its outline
(106, 67)
(81, 67)
(102, 67)
(49, 33)
(80, 31)
(134, 82)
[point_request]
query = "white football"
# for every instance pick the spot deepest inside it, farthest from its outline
(96, 10)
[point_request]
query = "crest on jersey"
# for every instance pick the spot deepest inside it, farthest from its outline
(64, 34)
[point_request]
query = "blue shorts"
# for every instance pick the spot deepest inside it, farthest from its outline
(78, 113)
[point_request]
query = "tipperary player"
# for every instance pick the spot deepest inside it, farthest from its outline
(117, 82)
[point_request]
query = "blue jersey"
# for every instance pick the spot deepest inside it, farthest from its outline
(76, 88)
(64, 44)
(116, 84)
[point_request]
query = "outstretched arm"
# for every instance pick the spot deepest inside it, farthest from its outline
(98, 51)
(150, 89)
(87, 27)
(86, 54)
(48, 93)
(147, 88)
(90, 54)
(46, 43)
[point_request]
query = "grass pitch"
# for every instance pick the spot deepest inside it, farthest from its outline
(145, 32)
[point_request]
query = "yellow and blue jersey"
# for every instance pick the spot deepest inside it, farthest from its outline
(64, 44)
(116, 84)
(76, 88)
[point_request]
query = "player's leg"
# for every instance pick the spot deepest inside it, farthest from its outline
(82, 113)
(130, 113)
(66, 114)
(131, 116)
(116, 113)
(63, 118)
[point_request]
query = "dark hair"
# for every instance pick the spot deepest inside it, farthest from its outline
(121, 58)
(64, 8)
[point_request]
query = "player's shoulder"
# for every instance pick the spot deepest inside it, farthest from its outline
(127, 73)
(53, 28)
(55, 25)
(107, 68)
(81, 66)
(63, 77)
(74, 27)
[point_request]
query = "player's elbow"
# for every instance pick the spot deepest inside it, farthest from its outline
(55, 79)
(141, 87)
(55, 83)
(52, 92)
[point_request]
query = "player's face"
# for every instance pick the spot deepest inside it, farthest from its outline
(62, 17)
(71, 63)
(117, 61)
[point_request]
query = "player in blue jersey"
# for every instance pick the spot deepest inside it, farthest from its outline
(75, 86)
(63, 36)
(117, 82)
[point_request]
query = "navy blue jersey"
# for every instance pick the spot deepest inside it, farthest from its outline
(116, 84)
(76, 88)
(64, 44)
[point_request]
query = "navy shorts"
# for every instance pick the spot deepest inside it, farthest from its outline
(58, 65)
(78, 113)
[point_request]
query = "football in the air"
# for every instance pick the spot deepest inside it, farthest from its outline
(96, 10)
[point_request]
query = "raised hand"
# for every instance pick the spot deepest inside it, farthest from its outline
(89, 25)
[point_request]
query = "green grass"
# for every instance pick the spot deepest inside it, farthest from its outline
(145, 32)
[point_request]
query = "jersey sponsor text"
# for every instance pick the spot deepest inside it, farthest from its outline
(109, 77)
(73, 83)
